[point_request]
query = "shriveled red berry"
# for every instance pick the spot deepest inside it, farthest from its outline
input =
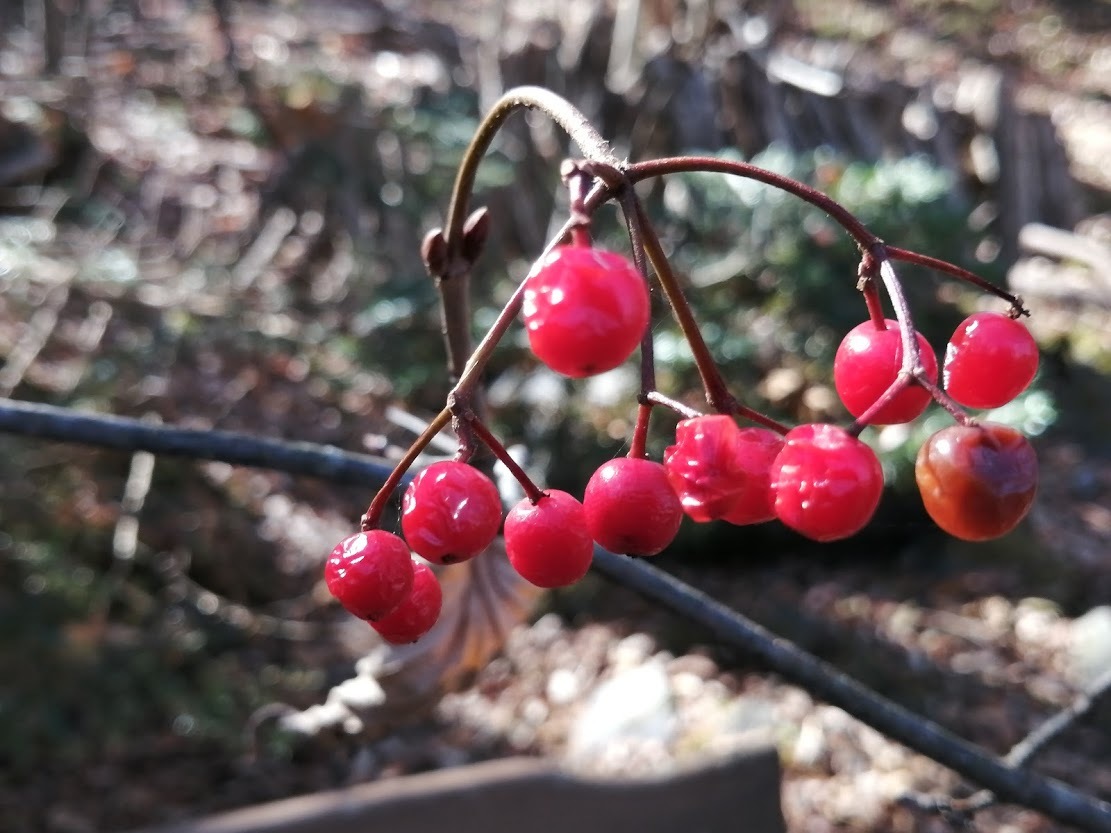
(369, 573)
(631, 508)
(547, 542)
(757, 449)
(450, 512)
(867, 363)
(827, 483)
(719, 470)
(700, 465)
(977, 481)
(415, 615)
(990, 360)
(585, 310)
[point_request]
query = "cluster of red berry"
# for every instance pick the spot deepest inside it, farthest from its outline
(977, 480)
(585, 311)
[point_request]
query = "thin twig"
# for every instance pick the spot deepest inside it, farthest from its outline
(1052, 728)
(1021, 754)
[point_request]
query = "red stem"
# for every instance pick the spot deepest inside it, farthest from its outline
(871, 292)
(373, 514)
(865, 239)
(911, 369)
(945, 401)
(717, 393)
(578, 182)
(494, 444)
(760, 419)
(874, 304)
(640, 432)
(908, 256)
(902, 381)
(692, 164)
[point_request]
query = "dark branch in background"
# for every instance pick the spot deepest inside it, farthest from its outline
(1021, 754)
(1002, 777)
(69, 426)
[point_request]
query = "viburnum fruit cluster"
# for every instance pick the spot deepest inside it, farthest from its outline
(586, 311)
(977, 481)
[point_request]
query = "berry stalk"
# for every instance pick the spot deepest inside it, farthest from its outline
(912, 370)
(866, 283)
(640, 432)
(647, 349)
(865, 239)
(532, 491)
(957, 272)
(577, 181)
(373, 513)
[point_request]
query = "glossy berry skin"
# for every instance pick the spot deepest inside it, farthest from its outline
(450, 512)
(548, 543)
(867, 363)
(756, 451)
(827, 483)
(631, 508)
(700, 466)
(369, 573)
(719, 470)
(977, 482)
(415, 615)
(990, 360)
(585, 310)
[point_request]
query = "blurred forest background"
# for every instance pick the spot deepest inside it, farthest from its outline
(210, 216)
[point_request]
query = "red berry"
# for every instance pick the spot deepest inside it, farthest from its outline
(700, 466)
(631, 508)
(756, 451)
(719, 470)
(369, 573)
(415, 615)
(585, 310)
(977, 481)
(868, 362)
(450, 512)
(826, 482)
(547, 542)
(990, 360)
